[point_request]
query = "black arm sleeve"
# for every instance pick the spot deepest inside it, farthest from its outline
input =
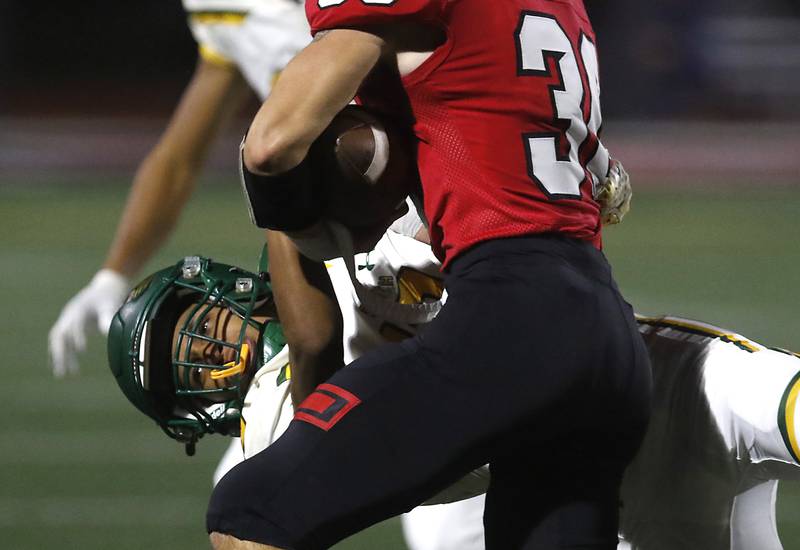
(290, 201)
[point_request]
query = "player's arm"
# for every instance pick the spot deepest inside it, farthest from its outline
(315, 85)
(167, 176)
(318, 83)
(309, 314)
(162, 184)
(313, 88)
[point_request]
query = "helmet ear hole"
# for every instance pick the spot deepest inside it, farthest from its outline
(158, 367)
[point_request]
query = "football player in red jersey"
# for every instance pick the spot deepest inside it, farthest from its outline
(534, 365)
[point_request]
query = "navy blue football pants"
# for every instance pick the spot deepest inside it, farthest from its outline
(534, 366)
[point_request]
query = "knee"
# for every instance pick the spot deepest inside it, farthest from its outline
(220, 541)
(236, 507)
(227, 542)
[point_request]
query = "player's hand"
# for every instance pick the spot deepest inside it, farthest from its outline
(91, 309)
(614, 194)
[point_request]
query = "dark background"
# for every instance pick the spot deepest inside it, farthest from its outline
(720, 59)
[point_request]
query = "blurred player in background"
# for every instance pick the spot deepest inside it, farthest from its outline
(535, 356)
(243, 44)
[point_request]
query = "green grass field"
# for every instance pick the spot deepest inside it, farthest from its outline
(79, 468)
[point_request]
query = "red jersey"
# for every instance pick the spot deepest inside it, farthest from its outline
(506, 111)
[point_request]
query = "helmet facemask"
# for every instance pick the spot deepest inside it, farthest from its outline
(210, 371)
(192, 381)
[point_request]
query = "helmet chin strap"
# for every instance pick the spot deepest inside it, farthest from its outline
(232, 368)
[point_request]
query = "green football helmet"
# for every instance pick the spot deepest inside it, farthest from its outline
(152, 336)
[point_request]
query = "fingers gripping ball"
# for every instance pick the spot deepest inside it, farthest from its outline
(614, 194)
(369, 168)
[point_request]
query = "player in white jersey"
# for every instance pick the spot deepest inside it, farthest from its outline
(724, 430)
(242, 45)
(725, 426)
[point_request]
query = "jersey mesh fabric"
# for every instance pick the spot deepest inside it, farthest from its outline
(471, 111)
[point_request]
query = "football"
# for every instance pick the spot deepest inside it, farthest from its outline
(368, 168)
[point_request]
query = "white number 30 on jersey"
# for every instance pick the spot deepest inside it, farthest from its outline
(558, 167)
